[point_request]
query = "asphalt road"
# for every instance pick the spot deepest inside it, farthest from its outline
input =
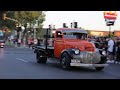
(20, 63)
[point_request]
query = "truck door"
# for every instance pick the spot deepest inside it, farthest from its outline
(58, 44)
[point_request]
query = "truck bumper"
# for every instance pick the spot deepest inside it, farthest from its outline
(74, 63)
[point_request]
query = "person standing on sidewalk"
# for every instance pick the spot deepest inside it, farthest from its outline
(110, 49)
(38, 41)
(30, 42)
(19, 42)
(114, 48)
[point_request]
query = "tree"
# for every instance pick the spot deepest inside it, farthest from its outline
(30, 17)
(39, 22)
(8, 23)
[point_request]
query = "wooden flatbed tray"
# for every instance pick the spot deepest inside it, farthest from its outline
(43, 47)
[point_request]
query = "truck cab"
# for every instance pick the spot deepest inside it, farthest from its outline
(66, 38)
(72, 48)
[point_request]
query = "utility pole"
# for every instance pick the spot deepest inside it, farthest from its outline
(34, 33)
(110, 31)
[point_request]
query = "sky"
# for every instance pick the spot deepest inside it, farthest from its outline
(89, 20)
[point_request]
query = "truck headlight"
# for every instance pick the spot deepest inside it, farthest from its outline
(104, 53)
(77, 51)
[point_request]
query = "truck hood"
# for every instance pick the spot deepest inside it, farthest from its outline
(80, 44)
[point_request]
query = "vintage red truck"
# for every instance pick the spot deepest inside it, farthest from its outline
(72, 48)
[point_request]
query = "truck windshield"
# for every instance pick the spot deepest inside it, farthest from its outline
(75, 35)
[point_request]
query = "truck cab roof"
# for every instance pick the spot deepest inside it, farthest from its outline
(72, 30)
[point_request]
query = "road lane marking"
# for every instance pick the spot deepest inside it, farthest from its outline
(22, 60)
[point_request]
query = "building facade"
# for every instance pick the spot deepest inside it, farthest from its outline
(117, 33)
(99, 33)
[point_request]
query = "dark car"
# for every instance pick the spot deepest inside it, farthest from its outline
(2, 43)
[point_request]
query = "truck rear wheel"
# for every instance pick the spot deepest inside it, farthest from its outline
(41, 59)
(38, 58)
(65, 61)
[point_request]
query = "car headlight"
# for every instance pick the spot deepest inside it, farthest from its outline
(77, 51)
(104, 53)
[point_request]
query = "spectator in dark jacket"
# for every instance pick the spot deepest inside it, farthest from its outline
(38, 41)
(118, 52)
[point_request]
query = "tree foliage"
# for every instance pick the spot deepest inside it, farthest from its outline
(24, 17)
(8, 23)
(30, 17)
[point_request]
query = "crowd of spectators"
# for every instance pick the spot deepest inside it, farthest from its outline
(111, 45)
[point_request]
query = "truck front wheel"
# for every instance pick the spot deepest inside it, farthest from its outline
(65, 61)
(103, 61)
(41, 59)
(38, 58)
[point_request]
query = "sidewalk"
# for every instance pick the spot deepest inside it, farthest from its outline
(15, 45)
(21, 46)
(112, 62)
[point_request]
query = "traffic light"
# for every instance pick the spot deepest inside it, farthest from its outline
(50, 27)
(75, 25)
(71, 24)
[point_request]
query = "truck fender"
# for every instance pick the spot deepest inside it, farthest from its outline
(70, 52)
(103, 59)
(37, 51)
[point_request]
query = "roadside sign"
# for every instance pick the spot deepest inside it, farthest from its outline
(111, 15)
